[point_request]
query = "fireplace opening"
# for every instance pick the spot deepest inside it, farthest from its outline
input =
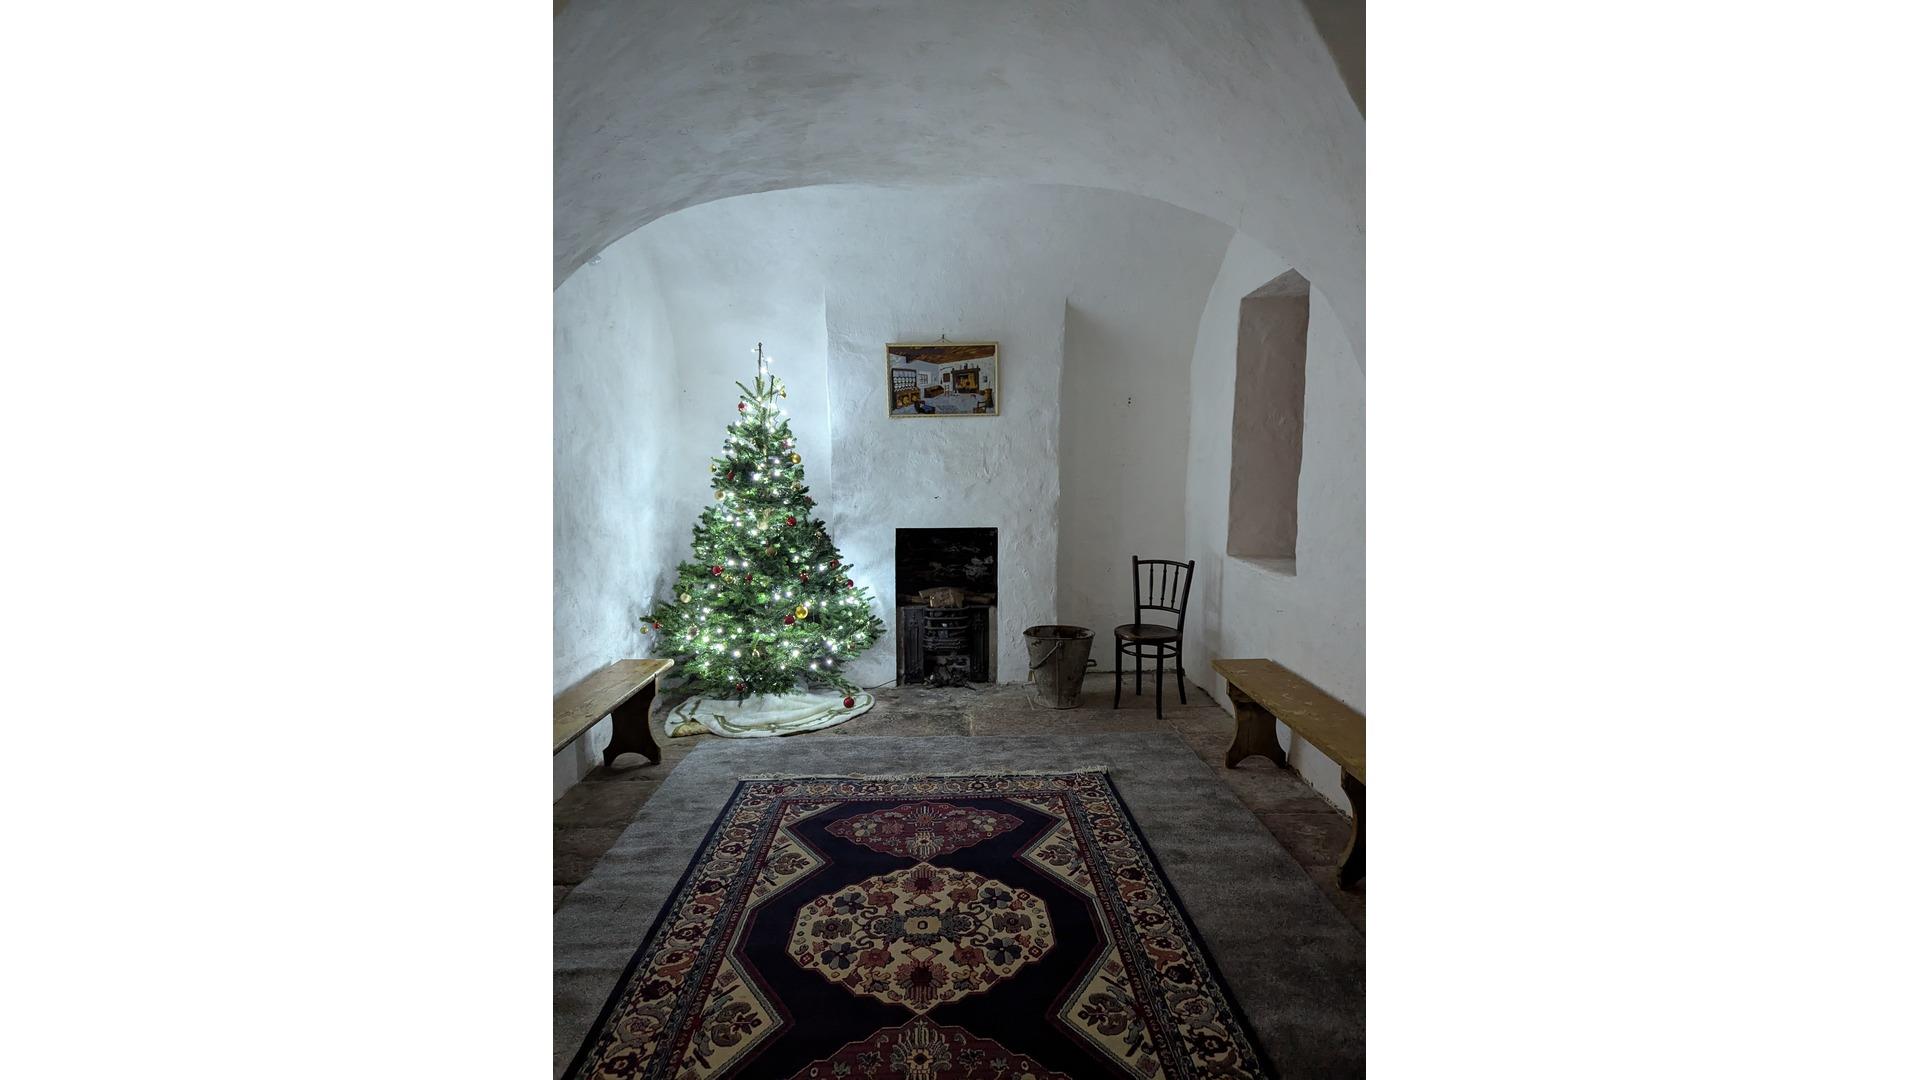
(945, 584)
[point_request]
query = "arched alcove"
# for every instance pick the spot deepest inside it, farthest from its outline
(1093, 295)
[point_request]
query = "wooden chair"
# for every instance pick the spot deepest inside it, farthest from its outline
(1165, 580)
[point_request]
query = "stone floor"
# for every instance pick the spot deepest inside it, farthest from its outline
(594, 812)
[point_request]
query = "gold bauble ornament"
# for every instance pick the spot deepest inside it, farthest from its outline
(796, 459)
(686, 598)
(800, 612)
(718, 495)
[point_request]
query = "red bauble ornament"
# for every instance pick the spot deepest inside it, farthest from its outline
(729, 474)
(834, 563)
(743, 406)
(715, 569)
(791, 520)
(847, 701)
(750, 579)
(788, 620)
(803, 577)
(739, 686)
(656, 626)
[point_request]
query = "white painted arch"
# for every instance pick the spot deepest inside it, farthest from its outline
(1228, 108)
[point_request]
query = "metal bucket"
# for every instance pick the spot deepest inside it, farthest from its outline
(1057, 659)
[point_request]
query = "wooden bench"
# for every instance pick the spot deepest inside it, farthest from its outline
(626, 689)
(1262, 692)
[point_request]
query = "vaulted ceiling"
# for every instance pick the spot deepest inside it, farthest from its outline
(1236, 110)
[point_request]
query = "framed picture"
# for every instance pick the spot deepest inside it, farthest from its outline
(943, 378)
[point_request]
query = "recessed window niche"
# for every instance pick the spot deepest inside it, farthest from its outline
(1269, 414)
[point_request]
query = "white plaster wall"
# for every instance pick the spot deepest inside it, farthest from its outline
(1314, 619)
(1095, 288)
(1093, 297)
(615, 533)
(975, 268)
(970, 471)
(733, 273)
(1231, 108)
(1124, 418)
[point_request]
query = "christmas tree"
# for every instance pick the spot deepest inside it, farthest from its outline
(766, 603)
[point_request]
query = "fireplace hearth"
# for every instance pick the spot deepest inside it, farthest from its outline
(945, 583)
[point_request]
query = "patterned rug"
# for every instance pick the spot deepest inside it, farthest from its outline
(990, 927)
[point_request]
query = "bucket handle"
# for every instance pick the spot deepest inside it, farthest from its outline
(1035, 666)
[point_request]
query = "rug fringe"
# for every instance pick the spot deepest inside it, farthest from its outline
(1081, 770)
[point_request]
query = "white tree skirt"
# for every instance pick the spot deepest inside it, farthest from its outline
(763, 715)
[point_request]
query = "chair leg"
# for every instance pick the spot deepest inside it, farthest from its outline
(1118, 671)
(1139, 663)
(1180, 672)
(1159, 670)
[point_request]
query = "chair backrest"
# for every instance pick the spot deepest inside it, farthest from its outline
(1167, 584)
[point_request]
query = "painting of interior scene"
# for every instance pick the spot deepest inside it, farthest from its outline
(944, 379)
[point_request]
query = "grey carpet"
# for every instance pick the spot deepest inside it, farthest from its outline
(1297, 967)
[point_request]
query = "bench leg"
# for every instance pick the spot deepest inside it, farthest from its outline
(1254, 732)
(633, 728)
(1353, 861)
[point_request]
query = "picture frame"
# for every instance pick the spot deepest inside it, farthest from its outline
(932, 379)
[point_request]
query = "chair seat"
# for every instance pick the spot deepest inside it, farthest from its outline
(1146, 632)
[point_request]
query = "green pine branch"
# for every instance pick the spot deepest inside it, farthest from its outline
(767, 603)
